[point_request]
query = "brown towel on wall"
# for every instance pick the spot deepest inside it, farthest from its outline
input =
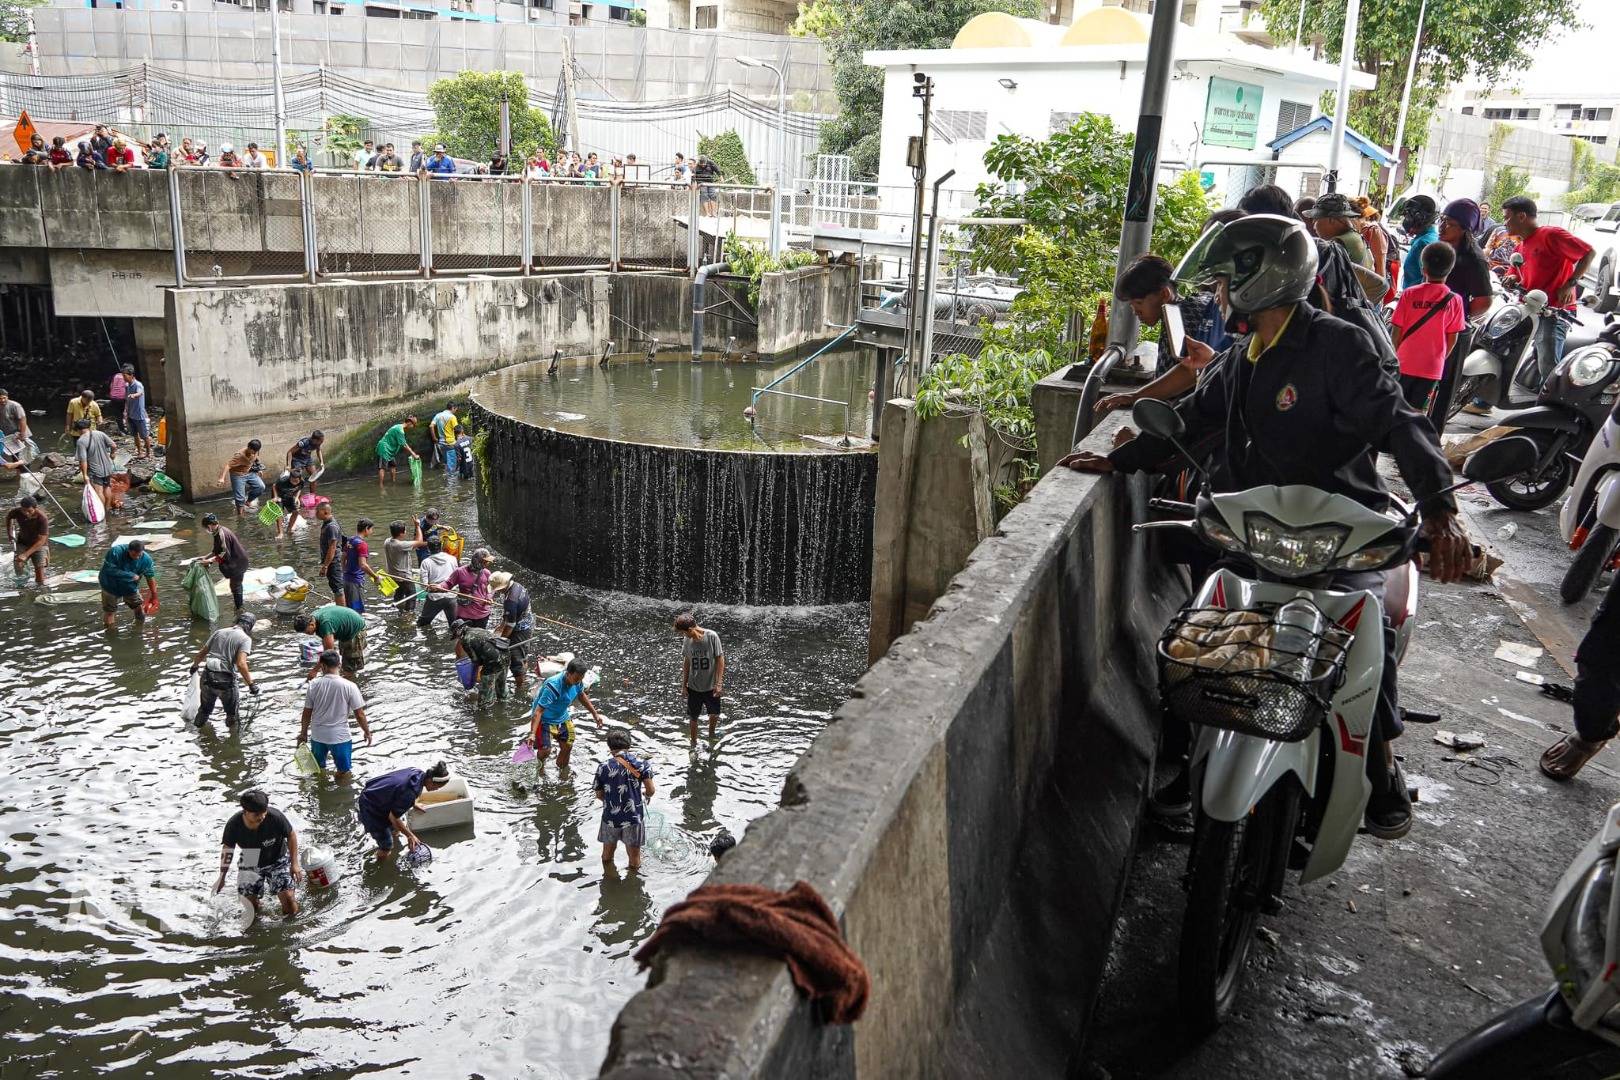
(796, 925)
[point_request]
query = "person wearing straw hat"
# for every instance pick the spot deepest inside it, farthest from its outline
(517, 621)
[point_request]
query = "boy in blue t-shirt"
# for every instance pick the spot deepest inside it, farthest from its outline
(551, 717)
(622, 782)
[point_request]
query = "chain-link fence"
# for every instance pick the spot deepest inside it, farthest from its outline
(233, 225)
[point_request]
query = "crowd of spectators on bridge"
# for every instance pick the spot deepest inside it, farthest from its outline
(108, 150)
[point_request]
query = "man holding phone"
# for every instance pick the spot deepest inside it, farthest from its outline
(1185, 327)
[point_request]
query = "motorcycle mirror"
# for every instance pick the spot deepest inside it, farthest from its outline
(1158, 418)
(1501, 459)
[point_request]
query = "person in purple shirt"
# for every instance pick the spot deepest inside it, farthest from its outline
(472, 583)
(385, 801)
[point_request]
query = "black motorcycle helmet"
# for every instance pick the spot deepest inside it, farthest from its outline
(1267, 261)
(1418, 213)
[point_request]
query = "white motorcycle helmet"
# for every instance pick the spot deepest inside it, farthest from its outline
(1267, 260)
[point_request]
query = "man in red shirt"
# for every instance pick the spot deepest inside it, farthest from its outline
(1554, 261)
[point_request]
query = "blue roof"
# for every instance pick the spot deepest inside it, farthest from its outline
(1359, 142)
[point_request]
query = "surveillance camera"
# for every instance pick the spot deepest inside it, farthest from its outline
(919, 77)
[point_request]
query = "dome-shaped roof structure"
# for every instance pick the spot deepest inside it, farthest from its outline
(998, 30)
(1106, 26)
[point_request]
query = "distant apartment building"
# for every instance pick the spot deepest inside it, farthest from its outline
(751, 16)
(554, 12)
(1591, 116)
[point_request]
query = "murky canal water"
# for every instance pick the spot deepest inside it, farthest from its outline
(508, 956)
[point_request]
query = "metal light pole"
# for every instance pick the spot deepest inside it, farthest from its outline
(1406, 101)
(1341, 100)
(1299, 27)
(1137, 231)
(781, 142)
(917, 158)
(275, 75)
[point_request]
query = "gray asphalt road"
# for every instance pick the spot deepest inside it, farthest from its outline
(1416, 941)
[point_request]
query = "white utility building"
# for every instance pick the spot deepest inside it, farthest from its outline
(1229, 101)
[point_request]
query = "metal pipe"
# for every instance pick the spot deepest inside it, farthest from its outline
(177, 229)
(526, 213)
(692, 226)
(1341, 100)
(1137, 232)
(1406, 101)
(927, 315)
(698, 282)
(424, 224)
(917, 158)
(312, 252)
(275, 76)
(613, 227)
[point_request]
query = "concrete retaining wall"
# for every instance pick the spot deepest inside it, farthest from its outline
(272, 362)
(806, 305)
(969, 814)
(797, 308)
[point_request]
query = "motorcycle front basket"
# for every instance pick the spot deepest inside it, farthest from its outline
(1222, 669)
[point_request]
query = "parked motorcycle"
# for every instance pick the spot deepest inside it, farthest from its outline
(1503, 355)
(1590, 518)
(1571, 1031)
(1573, 404)
(1277, 674)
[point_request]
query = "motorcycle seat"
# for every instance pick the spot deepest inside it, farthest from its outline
(1584, 335)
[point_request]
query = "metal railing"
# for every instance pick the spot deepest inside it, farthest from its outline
(234, 226)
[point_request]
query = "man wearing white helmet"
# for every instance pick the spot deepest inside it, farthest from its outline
(1301, 398)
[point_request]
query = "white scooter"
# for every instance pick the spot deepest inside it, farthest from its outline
(1590, 518)
(1278, 674)
(1571, 1031)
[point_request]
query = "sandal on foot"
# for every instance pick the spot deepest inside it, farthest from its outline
(1564, 758)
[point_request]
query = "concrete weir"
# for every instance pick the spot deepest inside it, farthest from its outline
(680, 522)
(969, 815)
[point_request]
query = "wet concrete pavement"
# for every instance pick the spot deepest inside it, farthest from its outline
(1413, 942)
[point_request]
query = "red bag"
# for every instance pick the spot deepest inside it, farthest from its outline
(150, 605)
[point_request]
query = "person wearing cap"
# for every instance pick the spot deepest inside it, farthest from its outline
(83, 407)
(471, 583)
(269, 846)
(120, 580)
(517, 621)
(228, 158)
(1335, 219)
(440, 164)
(1555, 260)
(30, 532)
(1418, 219)
(329, 700)
(94, 451)
(488, 654)
(222, 658)
(551, 719)
(229, 555)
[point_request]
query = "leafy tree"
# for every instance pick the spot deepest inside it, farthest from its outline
(726, 151)
(855, 26)
(340, 136)
(1591, 180)
(14, 19)
(638, 17)
(818, 18)
(467, 114)
(1488, 39)
(1071, 190)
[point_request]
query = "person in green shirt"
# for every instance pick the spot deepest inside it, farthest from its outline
(1334, 217)
(338, 627)
(389, 446)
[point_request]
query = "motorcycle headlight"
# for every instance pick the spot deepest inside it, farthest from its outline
(1504, 320)
(1217, 532)
(1370, 558)
(1588, 366)
(1292, 552)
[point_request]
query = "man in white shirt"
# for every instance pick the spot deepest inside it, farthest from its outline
(436, 568)
(253, 159)
(328, 701)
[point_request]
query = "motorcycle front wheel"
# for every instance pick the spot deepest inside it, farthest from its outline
(1587, 566)
(1528, 491)
(1232, 870)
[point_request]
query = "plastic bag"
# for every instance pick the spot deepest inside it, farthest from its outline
(192, 704)
(464, 672)
(164, 483)
(200, 591)
(523, 752)
(416, 470)
(94, 512)
(304, 760)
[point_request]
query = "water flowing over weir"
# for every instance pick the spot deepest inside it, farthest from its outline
(682, 522)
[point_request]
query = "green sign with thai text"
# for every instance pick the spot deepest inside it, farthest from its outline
(1232, 114)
